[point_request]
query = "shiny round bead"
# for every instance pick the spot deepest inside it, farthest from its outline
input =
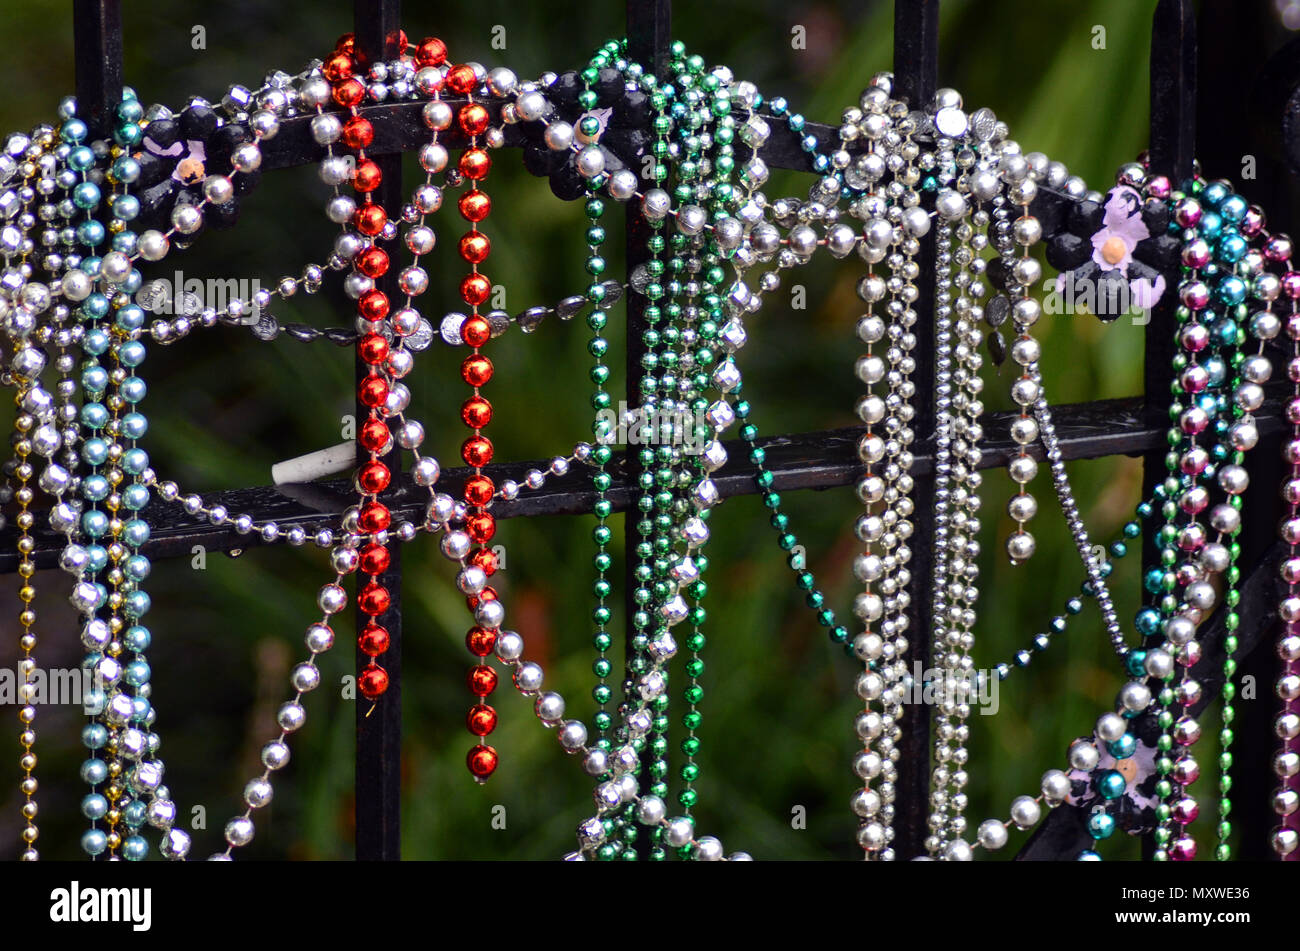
(549, 707)
(275, 755)
(94, 842)
(708, 849)
(1135, 696)
(319, 637)
(291, 716)
(992, 834)
(1101, 825)
(1111, 726)
(1055, 785)
(239, 831)
(679, 832)
(305, 677)
(650, 810)
(958, 851)
(509, 646)
(1083, 756)
(1020, 546)
(528, 678)
(1025, 812)
(373, 681)
(572, 735)
(258, 793)
(332, 598)
(1110, 784)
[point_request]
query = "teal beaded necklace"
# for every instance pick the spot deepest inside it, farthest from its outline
(126, 783)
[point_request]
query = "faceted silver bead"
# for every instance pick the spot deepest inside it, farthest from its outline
(175, 844)
(591, 833)
(728, 233)
(161, 813)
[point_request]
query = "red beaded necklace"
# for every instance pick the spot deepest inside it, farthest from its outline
(373, 476)
(375, 436)
(476, 412)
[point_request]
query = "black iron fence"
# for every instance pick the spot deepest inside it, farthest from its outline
(807, 460)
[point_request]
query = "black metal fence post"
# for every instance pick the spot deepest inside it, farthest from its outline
(97, 48)
(916, 77)
(379, 726)
(1172, 152)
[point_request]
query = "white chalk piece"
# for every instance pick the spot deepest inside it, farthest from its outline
(314, 465)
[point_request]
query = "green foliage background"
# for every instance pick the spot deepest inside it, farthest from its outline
(779, 705)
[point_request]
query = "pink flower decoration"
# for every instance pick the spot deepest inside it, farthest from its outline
(1146, 294)
(1121, 230)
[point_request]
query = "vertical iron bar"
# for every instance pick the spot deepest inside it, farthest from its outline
(97, 46)
(379, 729)
(649, 36)
(1172, 152)
(916, 76)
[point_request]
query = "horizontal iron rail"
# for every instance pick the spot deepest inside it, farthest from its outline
(817, 460)
(399, 127)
